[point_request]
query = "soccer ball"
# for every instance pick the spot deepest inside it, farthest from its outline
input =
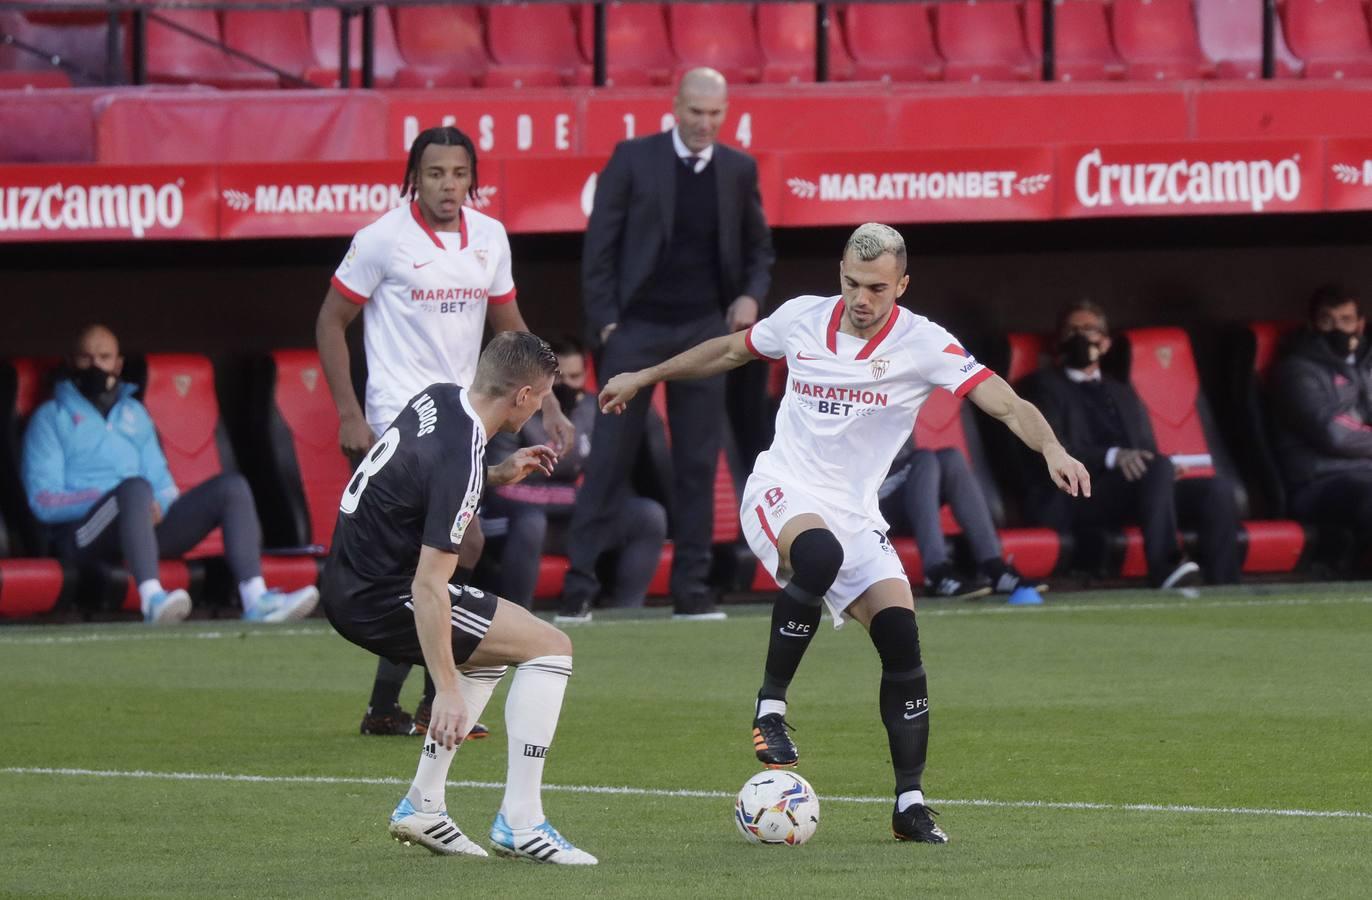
(777, 807)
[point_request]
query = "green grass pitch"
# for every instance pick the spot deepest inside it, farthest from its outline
(1104, 745)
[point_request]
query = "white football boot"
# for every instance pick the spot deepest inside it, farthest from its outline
(541, 843)
(434, 831)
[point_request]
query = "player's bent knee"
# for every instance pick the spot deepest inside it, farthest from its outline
(896, 636)
(816, 558)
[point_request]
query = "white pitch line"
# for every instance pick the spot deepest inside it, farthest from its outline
(132, 632)
(695, 794)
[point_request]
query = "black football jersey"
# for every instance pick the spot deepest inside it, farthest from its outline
(420, 484)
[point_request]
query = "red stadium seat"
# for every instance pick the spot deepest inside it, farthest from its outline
(1163, 372)
(174, 57)
(982, 42)
(443, 46)
(295, 424)
(786, 32)
(1331, 36)
(180, 398)
(281, 39)
(78, 40)
(1081, 40)
(1230, 33)
(720, 35)
(1026, 354)
(34, 80)
(1157, 39)
(533, 45)
(386, 59)
(892, 42)
(31, 587)
(637, 49)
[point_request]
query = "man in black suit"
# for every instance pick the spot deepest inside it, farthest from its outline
(1102, 422)
(677, 251)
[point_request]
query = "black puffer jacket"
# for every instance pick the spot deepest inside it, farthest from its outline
(1322, 408)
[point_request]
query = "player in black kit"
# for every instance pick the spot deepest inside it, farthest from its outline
(386, 588)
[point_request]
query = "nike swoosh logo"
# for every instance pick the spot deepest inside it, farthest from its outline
(784, 633)
(421, 265)
(803, 356)
(916, 715)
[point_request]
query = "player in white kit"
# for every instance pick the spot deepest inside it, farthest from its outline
(860, 367)
(426, 277)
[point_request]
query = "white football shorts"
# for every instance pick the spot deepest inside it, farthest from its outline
(868, 556)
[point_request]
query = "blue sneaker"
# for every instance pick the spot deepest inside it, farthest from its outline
(434, 831)
(541, 843)
(278, 606)
(166, 607)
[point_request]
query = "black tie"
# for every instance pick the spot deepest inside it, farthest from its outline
(691, 161)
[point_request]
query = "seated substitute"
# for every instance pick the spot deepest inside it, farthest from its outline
(387, 589)
(1322, 398)
(1102, 422)
(920, 482)
(532, 505)
(96, 476)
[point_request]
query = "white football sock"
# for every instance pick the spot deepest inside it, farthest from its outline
(476, 686)
(531, 712)
(767, 707)
(909, 799)
(149, 589)
(426, 793)
(251, 591)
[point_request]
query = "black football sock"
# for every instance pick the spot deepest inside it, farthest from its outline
(904, 694)
(816, 557)
(390, 678)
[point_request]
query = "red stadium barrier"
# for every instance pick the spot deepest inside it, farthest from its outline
(92, 202)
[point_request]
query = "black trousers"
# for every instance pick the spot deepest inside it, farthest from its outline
(1156, 502)
(695, 417)
(1343, 500)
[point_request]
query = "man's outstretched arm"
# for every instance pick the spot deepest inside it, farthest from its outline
(996, 398)
(703, 360)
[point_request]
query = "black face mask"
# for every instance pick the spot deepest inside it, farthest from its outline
(1341, 342)
(567, 397)
(1076, 351)
(90, 383)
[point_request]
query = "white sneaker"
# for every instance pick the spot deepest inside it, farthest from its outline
(541, 843)
(166, 607)
(435, 831)
(278, 606)
(1185, 575)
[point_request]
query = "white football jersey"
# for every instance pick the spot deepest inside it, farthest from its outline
(851, 403)
(426, 293)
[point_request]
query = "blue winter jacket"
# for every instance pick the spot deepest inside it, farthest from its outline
(73, 455)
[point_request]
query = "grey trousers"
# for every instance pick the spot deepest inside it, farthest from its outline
(933, 478)
(120, 525)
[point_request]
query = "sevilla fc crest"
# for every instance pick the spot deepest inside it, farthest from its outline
(309, 378)
(1164, 355)
(480, 257)
(182, 383)
(879, 367)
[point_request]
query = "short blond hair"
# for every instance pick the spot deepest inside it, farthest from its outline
(872, 239)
